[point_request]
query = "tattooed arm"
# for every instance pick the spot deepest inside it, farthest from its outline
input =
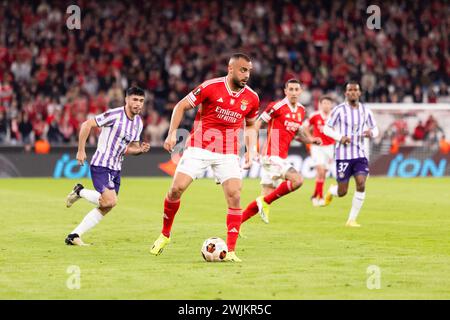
(306, 138)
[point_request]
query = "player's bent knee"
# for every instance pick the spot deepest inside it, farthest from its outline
(104, 210)
(108, 203)
(297, 182)
(342, 192)
(234, 198)
(175, 193)
(113, 203)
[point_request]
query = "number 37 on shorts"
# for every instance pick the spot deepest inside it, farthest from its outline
(347, 168)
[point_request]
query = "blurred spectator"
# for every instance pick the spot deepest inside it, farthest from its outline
(39, 126)
(400, 130)
(432, 97)
(419, 132)
(25, 129)
(54, 135)
(66, 128)
(431, 126)
(4, 129)
(418, 94)
(15, 136)
(156, 129)
(6, 94)
(443, 93)
(432, 132)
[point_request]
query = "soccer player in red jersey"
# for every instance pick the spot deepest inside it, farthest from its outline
(323, 155)
(284, 120)
(226, 104)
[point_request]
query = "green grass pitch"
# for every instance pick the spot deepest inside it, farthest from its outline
(304, 253)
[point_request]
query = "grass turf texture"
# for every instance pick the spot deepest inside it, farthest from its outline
(304, 253)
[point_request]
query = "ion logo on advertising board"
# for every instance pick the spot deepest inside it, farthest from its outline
(69, 168)
(413, 167)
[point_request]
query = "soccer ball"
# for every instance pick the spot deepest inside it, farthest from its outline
(214, 250)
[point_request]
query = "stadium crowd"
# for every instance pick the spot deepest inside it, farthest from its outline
(427, 133)
(53, 78)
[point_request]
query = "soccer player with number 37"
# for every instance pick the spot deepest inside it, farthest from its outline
(350, 122)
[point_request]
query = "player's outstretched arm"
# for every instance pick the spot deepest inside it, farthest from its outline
(85, 130)
(329, 131)
(177, 116)
(304, 136)
(136, 148)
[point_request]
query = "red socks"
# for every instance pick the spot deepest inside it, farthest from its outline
(234, 218)
(318, 192)
(170, 209)
(250, 211)
(283, 189)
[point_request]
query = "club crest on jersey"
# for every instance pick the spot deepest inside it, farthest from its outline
(197, 92)
(127, 138)
(244, 104)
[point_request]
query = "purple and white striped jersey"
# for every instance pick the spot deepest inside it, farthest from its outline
(117, 132)
(351, 122)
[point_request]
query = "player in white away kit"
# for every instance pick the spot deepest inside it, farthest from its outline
(120, 135)
(349, 123)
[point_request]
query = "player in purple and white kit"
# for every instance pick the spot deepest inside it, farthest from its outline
(120, 135)
(349, 123)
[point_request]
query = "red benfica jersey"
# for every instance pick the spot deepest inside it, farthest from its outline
(317, 121)
(283, 123)
(220, 118)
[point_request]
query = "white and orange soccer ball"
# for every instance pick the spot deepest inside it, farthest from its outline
(214, 250)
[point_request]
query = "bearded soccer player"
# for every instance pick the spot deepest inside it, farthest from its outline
(120, 135)
(323, 155)
(226, 103)
(279, 178)
(349, 123)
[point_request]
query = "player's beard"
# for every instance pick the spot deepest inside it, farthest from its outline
(135, 111)
(238, 83)
(353, 101)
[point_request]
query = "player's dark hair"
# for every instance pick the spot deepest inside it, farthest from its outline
(353, 82)
(292, 81)
(135, 91)
(326, 98)
(236, 56)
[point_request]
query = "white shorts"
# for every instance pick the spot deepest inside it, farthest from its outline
(273, 170)
(323, 155)
(195, 162)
